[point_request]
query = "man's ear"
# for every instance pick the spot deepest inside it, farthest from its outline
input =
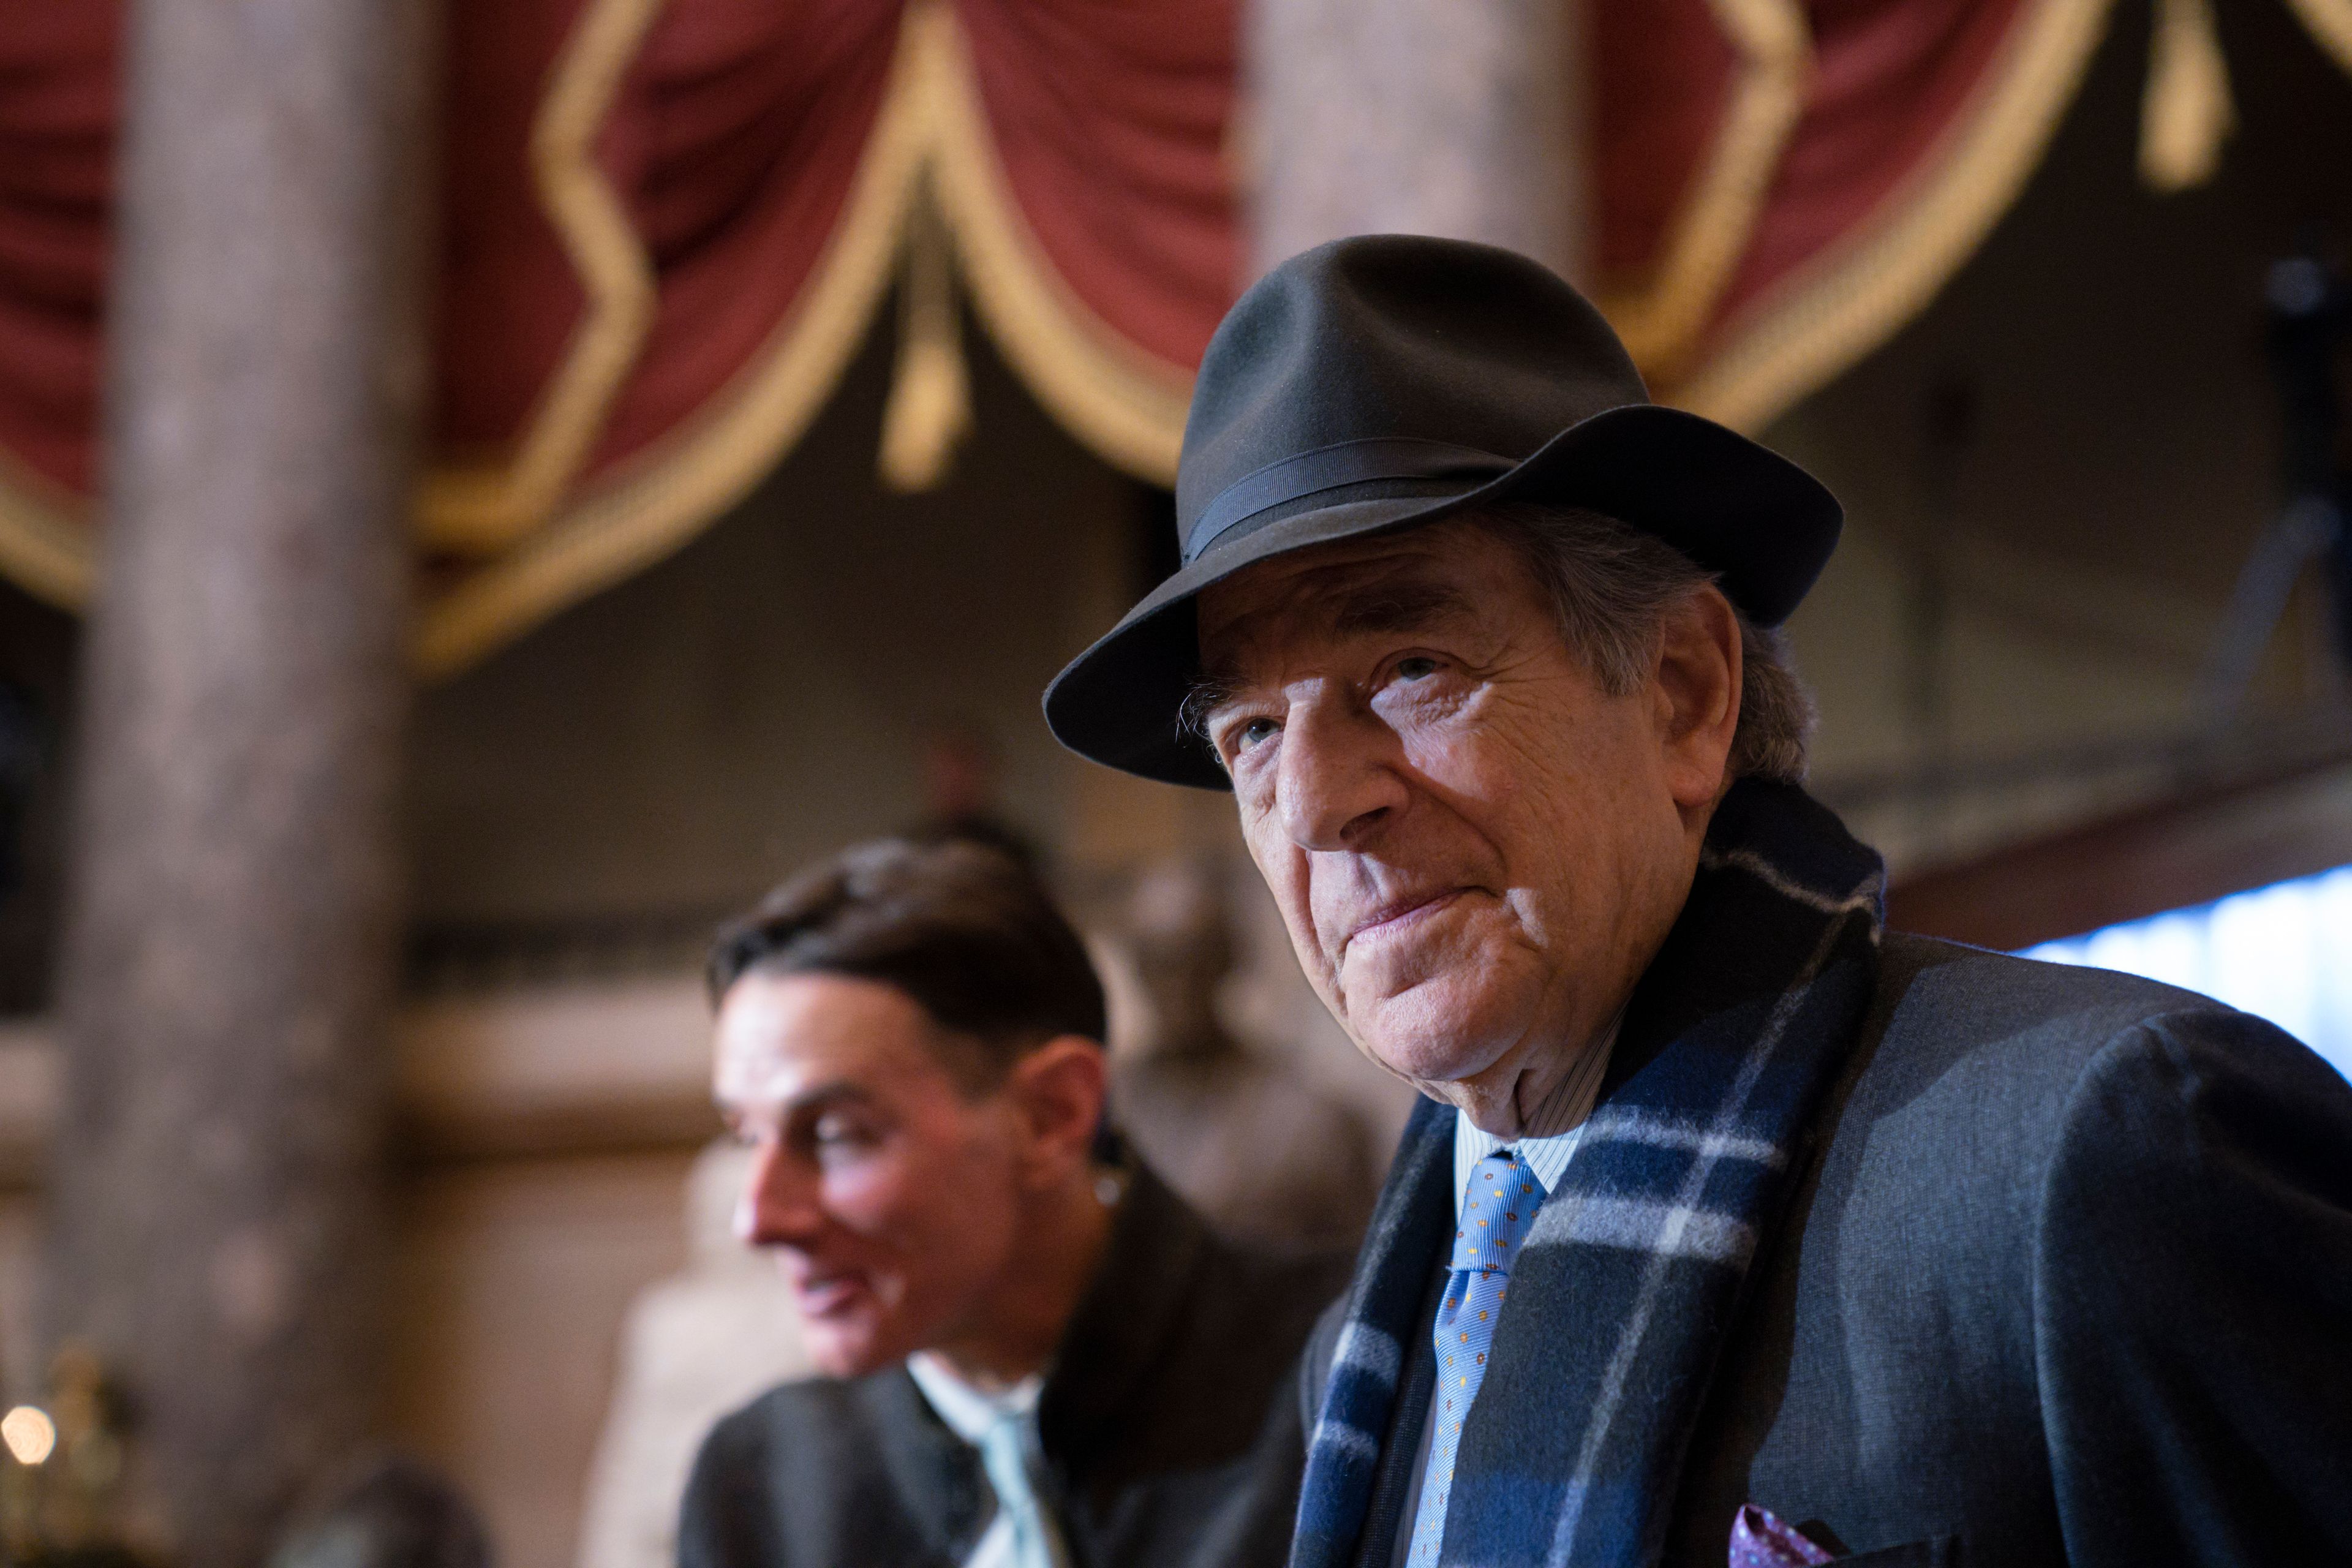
(1058, 1090)
(1696, 689)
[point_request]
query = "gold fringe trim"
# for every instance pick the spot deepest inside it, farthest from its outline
(1850, 301)
(930, 411)
(478, 512)
(47, 545)
(1128, 405)
(671, 492)
(2329, 21)
(2185, 113)
(1661, 322)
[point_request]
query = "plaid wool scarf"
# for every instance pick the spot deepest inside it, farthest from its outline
(1623, 1294)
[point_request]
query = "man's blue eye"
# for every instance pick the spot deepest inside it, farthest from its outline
(1416, 668)
(1251, 734)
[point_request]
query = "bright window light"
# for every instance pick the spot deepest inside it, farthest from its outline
(2283, 952)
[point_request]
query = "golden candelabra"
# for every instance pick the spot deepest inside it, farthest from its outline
(61, 1478)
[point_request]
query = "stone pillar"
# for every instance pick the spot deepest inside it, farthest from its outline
(216, 1229)
(1462, 118)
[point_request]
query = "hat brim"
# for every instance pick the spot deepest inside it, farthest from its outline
(1762, 525)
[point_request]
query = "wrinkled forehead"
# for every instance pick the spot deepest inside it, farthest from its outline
(1333, 592)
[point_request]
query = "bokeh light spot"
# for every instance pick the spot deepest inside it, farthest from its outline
(29, 1434)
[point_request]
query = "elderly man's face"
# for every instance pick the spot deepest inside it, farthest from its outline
(1476, 850)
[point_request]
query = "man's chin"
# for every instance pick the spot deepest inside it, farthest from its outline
(1437, 1034)
(1433, 1063)
(850, 1350)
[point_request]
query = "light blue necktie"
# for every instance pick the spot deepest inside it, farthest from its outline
(1004, 1451)
(1497, 1207)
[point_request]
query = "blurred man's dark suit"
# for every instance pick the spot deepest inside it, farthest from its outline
(1169, 1422)
(2067, 1280)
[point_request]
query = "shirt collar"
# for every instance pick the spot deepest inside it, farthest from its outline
(969, 1410)
(1546, 1157)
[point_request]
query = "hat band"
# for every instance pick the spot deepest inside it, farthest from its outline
(1331, 468)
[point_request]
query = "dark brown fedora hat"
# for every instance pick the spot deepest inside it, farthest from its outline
(1391, 380)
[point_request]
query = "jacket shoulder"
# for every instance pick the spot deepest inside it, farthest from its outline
(820, 1470)
(1983, 1070)
(746, 1448)
(809, 1404)
(2193, 1296)
(1970, 1062)
(2026, 1224)
(1968, 998)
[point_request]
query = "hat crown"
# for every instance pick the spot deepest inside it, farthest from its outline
(1383, 337)
(1394, 381)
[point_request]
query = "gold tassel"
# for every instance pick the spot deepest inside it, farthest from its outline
(2186, 113)
(930, 410)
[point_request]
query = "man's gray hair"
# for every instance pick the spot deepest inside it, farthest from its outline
(1611, 586)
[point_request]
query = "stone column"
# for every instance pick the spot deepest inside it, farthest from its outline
(217, 1229)
(1461, 117)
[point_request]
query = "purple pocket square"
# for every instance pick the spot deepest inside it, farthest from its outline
(1759, 1540)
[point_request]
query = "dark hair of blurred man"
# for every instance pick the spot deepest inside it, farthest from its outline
(1034, 1356)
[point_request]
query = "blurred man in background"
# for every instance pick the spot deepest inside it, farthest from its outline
(1033, 1355)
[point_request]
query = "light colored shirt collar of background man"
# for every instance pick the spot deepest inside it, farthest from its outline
(970, 1412)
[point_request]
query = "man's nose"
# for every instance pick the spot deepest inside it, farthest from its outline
(778, 1205)
(1337, 781)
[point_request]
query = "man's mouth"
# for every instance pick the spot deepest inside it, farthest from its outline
(826, 1295)
(1401, 915)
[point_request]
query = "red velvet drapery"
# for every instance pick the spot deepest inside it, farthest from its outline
(665, 224)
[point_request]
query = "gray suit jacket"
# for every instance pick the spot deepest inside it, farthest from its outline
(1168, 1424)
(2068, 1281)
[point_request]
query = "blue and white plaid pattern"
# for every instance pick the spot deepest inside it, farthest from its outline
(1628, 1281)
(1498, 1209)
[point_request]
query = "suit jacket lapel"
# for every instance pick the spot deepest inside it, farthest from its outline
(934, 1475)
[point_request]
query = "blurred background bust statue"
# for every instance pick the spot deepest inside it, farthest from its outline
(1257, 1143)
(696, 1345)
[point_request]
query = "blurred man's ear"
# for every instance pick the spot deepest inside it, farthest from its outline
(1058, 1091)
